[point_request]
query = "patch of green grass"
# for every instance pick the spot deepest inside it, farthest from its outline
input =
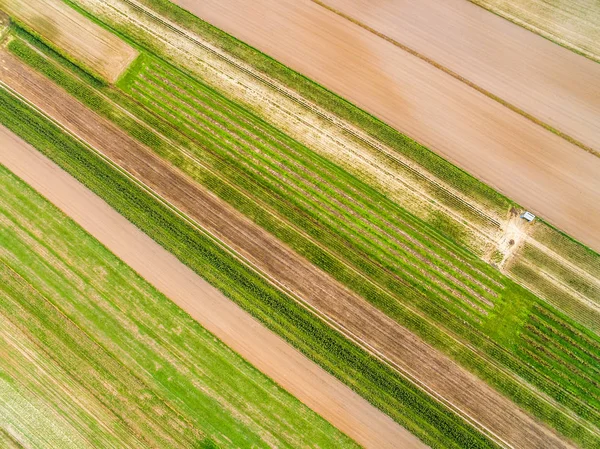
(498, 332)
(147, 369)
(398, 397)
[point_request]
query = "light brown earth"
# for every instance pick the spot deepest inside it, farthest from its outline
(543, 172)
(549, 82)
(434, 372)
(261, 347)
(572, 23)
(71, 32)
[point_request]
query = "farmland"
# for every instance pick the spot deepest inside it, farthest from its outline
(133, 369)
(573, 23)
(376, 259)
(73, 35)
(181, 107)
(469, 129)
(366, 375)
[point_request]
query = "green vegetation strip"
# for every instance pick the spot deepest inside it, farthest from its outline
(149, 370)
(496, 337)
(422, 415)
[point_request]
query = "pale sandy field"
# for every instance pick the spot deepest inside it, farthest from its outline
(536, 168)
(547, 81)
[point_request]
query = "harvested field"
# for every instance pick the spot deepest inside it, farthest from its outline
(356, 317)
(575, 24)
(522, 160)
(74, 35)
(94, 356)
(502, 59)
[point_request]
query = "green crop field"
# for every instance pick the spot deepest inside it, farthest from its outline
(93, 356)
(423, 279)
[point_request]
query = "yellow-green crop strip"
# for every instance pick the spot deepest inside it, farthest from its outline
(93, 356)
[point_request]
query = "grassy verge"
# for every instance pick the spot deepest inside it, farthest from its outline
(396, 396)
(91, 341)
(497, 336)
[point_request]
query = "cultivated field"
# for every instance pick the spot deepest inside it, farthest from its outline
(68, 31)
(395, 287)
(93, 356)
(428, 187)
(571, 23)
(397, 396)
(499, 58)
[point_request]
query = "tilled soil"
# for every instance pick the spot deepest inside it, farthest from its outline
(357, 318)
(527, 71)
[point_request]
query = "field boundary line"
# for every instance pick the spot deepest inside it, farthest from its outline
(455, 75)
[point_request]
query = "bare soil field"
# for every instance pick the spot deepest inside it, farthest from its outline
(436, 373)
(534, 75)
(80, 38)
(265, 350)
(572, 23)
(527, 163)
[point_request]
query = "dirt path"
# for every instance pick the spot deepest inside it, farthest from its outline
(554, 178)
(382, 336)
(262, 348)
(527, 71)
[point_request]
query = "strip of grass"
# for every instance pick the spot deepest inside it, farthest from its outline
(148, 370)
(423, 416)
(503, 325)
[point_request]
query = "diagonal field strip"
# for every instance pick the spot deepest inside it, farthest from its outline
(268, 352)
(450, 50)
(422, 362)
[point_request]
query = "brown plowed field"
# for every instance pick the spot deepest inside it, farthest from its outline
(531, 165)
(437, 373)
(79, 37)
(526, 70)
(262, 348)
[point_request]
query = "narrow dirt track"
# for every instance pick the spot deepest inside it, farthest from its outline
(533, 166)
(547, 81)
(269, 353)
(383, 336)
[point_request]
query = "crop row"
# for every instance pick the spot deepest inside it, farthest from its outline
(505, 320)
(564, 354)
